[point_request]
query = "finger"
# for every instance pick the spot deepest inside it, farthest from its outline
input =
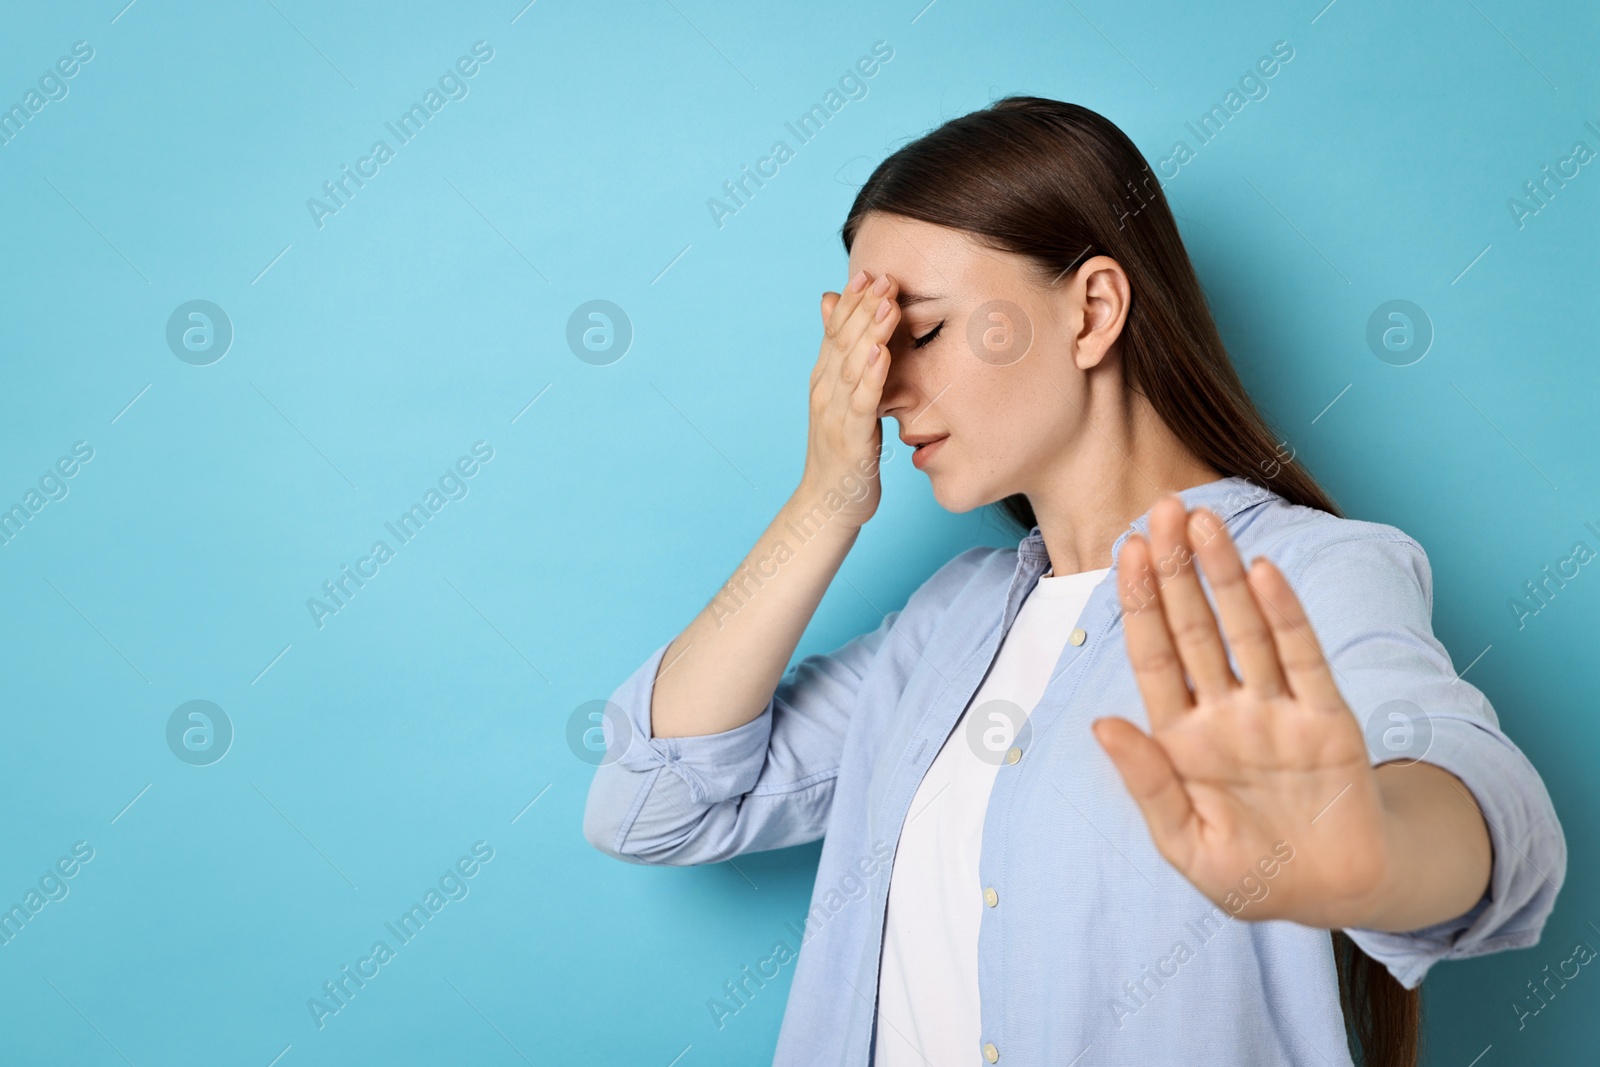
(1188, 612)
(1247, 632)
(855, 291)
(870, 312)
(1300, 654)
(848, 300)
(1151, 780)
(830, 300)
(876, 333)
(1155, 662)
(860, 426)
(868, 392)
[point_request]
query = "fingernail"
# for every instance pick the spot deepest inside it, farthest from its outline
(883, 309)
(872, 357)
(882, 286)
(859, 282)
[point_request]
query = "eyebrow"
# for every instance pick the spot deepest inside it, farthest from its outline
(906, 299)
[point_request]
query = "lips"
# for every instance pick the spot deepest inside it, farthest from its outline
(924, 448)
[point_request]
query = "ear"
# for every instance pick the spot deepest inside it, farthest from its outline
(1100, 295)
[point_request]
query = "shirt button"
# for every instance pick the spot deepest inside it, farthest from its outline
(991, 1053)
(1013, 755)
(1077, 636)
(990, 897)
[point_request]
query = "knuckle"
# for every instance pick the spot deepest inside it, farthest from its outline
(1190, 628)
(1156, 660)
(1252, 637)
(1301, 661)
(1226, 579)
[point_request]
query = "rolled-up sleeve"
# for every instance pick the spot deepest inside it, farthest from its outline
(1370, 602)
(763, 785)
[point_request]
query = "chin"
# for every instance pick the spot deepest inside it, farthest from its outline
(957, 498)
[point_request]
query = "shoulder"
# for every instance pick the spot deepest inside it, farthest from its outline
(981, 568)
(1355, 557)
(976, 565)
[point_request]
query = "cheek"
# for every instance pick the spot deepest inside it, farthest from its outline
(988, 442)
(996, 415)
(1005, 408)
(1043, 403)
(1011, 424)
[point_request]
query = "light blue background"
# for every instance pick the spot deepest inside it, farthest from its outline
(427, 314)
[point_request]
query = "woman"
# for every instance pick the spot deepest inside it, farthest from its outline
(1093, 819)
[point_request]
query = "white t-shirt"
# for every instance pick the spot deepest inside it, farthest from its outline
(928, 982)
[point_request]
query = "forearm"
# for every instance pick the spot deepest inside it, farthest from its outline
(1438, 853)
(722, 670)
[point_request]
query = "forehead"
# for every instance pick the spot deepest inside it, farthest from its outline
(922, 256)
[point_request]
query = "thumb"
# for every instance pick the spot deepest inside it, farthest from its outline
(1150, 779)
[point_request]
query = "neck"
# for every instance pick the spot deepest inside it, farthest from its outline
(1124, 460)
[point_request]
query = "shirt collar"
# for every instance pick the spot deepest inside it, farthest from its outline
(1226, 497)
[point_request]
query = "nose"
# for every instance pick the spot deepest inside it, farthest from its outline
(897, 392)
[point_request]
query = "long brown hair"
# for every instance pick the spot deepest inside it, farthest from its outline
(1058, 183)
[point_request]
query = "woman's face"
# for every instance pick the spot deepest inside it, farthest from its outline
(1000, 378)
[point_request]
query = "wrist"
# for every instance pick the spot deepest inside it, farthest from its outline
(817, 509)
(1389, 896)
(1436, 856)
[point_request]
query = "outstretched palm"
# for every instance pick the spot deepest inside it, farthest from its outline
(1235, 772)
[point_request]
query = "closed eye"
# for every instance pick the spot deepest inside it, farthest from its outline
(918, 342)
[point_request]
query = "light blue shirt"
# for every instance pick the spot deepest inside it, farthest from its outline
(1097, 952)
